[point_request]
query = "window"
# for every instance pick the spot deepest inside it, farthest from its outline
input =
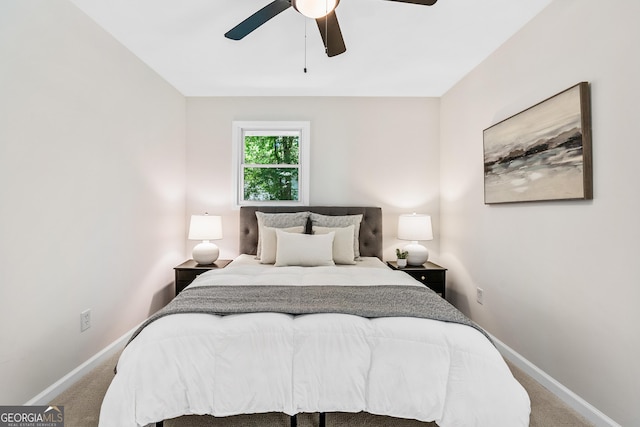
(271, 161)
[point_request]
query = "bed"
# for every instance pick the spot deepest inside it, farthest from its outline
(309, 319)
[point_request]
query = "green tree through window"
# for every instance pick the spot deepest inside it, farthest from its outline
(271, 162)
(271, 167)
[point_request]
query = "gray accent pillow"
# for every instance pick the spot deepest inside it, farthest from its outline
(336, 221)
(279, 220)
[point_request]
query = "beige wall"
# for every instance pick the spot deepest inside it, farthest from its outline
(364, 151)
(92, 190)
(560, 279)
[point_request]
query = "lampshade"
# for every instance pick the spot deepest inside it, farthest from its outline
(205, 228)
(415, 227)
(314, 8)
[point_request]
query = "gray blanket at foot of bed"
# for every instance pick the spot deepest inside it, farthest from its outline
(364, 301)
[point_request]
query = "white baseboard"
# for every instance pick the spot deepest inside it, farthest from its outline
(578, 404)
(54, 390)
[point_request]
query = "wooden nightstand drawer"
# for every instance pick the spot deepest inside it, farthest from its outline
(429, 274)
(189, 270)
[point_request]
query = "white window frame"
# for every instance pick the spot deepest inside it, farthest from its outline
(240, 128)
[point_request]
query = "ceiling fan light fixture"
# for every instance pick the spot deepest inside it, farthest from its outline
(314, 8)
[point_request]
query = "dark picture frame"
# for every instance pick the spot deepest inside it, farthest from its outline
(542, 153)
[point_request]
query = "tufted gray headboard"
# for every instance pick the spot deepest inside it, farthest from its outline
(370, 228)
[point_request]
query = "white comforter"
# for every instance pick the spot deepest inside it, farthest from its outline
(270, 362)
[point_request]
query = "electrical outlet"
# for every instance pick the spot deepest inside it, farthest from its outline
(480, 295)
(85, 320)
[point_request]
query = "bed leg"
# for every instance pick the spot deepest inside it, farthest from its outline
(323, 419)
(294, 420)
(160, 424)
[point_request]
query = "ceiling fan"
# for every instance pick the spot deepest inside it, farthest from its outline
(323, 11)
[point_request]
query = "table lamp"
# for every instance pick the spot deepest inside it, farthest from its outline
(415, 227)
(205, 227)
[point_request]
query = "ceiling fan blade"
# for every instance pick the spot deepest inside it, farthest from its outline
(421, 2)
(260, 17)
(331, 34)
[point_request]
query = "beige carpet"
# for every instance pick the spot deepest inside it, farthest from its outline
(82, 407)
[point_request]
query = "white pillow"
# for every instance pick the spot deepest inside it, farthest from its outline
(342, 243)
(304, 250)
(278, 220)
(269, 242)
(340, 221)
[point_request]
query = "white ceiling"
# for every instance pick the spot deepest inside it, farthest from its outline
(393, 49)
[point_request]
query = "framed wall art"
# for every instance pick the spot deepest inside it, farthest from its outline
(541, 153)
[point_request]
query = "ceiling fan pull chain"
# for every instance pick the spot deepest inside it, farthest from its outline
(326, 29)
(305, 44)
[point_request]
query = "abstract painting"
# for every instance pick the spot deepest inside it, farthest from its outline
(541, 153)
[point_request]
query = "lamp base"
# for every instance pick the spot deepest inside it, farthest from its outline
(205, 253)
(418, 254)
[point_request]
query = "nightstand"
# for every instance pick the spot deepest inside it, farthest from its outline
(189, 270)
(429, 274)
